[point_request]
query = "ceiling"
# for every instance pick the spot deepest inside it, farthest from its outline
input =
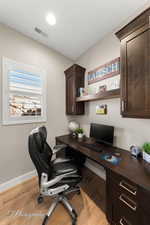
(80, 23)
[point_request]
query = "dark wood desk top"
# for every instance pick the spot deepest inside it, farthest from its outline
(136, 170)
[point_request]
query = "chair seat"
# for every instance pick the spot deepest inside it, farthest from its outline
(72, 182)
(62, 160)
(61, 168)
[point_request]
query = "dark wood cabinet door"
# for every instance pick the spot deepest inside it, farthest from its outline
(70, 95)
(74, 80)
(135, 74)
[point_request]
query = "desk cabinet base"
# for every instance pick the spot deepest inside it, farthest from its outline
(127, 204)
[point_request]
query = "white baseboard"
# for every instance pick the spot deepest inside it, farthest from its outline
(17, 180)
(98, 170)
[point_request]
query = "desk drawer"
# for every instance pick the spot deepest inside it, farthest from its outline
(125, 210)
(123, 200)
(124, 185)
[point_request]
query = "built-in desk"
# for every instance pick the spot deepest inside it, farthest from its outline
(127, 184)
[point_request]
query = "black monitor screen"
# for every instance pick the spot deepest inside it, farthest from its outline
(102, 133)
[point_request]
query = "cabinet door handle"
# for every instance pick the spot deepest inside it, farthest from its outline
(122, 105)
(126, 203)
(122, 184)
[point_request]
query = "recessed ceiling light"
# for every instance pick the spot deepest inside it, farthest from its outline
(51, 19)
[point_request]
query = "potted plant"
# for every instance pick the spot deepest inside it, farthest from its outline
(79, 132)
(146, 152)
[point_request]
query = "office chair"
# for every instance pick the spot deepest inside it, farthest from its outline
(55, 179)
(70, 154)
(57, 148)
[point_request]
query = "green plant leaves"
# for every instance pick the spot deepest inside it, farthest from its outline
(79, 131)
(146, 147)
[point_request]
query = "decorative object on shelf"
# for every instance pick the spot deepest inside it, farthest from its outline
(79, 132)
(114, 84)
(135, 150)
(101, 109)
(105, 95)
(73, 125)
(82, 92)
(146, 152)
(102, 89)
(105, 71)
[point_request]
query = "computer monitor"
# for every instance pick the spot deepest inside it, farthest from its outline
(102, 133)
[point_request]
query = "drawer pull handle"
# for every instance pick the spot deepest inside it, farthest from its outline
(121, 221)
(127, 189)
(126, 203)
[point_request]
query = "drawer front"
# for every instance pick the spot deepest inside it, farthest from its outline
(128, 202)
(125, 211)
(124, 206)
(124, 200)
(124, 185)
(123, 221)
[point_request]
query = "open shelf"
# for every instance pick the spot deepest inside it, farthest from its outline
(105, 95)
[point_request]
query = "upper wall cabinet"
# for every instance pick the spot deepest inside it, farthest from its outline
(74, 80)
(135, 67)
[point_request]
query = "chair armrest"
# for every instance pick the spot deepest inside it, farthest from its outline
(45, 183)
(58, 148)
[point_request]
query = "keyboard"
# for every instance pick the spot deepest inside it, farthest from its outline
(93, 146)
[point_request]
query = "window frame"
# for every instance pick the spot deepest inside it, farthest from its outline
(7, 65)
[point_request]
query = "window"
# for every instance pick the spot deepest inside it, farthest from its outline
(24, 93)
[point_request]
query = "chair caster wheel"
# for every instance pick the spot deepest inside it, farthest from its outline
(75, 214)
(45, 220)
(79, 192)
(40, 200)
(74, 222)
(74, 217)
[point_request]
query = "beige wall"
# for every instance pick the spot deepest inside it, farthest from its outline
(14, 158)
(127, 131)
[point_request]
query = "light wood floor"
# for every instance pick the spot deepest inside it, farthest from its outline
(25, 202)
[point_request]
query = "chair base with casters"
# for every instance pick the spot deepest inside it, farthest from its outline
(64, 200)
(60, 196)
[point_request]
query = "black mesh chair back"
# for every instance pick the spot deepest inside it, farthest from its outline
(40, 152)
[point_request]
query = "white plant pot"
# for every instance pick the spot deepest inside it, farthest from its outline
(146, 157)
(80, 135)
